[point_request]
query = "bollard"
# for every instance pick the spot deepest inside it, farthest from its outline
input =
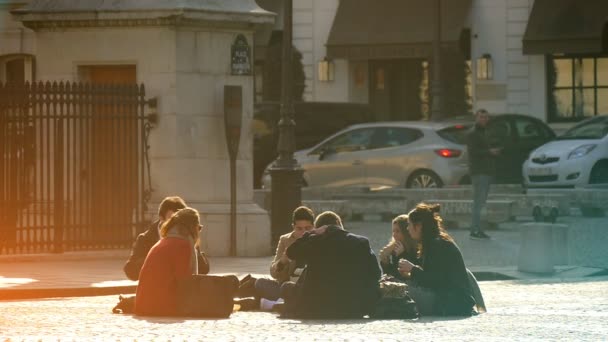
(561, 254)
(536, 249)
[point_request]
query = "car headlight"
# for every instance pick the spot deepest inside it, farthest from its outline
(581, 151)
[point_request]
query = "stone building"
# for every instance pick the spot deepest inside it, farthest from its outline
(543, 58)
(546, 58)
(181, 52)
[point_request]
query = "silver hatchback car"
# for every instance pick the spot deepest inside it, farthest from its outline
(418, 154)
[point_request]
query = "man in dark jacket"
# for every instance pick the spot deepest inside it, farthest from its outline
(341, 276)
(481, 167)
(150, 237)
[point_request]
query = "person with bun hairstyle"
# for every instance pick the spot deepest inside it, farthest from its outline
(439, 283)
(172, 258)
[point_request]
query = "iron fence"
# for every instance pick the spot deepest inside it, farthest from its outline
(73, 166)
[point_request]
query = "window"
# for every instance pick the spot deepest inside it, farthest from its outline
(530, 130)
(577, 86)
(16, 68)
(393, 136)
(498, 132)
(355, 140)
(456, 134)
(595, 128)
(110, 73)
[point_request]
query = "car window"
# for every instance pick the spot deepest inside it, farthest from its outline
(355, 140)
(530, 130)
(595, 128)
(393, 136)
(456, 134)
(498, 131)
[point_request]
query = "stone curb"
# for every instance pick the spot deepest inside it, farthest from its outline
(20, 294)
(68, 256)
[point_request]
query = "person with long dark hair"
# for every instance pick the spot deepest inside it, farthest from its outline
(439, 283)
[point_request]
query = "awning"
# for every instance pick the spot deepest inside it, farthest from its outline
(566, 26)
(366, 29)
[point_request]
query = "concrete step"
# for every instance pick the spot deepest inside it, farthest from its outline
(592, 202)
(524, 203)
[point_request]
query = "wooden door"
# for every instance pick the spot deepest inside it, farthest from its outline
(114, 151)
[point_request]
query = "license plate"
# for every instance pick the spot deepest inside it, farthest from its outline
(540, 171)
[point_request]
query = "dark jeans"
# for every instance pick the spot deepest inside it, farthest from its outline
(481, 187)
(426, 299)
(268, 288)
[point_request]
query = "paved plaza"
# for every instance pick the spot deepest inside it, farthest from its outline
(517, 310)
(566, 305)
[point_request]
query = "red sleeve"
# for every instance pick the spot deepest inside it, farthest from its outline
(183, 254)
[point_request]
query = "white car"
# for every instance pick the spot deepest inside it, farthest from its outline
(386, 154)
(576, 158)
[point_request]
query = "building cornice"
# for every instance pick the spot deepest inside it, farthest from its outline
(63, 17)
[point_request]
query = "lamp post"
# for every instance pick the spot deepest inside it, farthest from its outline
(285, 173)
(437, 105)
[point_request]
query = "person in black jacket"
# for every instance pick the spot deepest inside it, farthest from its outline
(341, 276)
(439, 284)
(481, 168)
(144, 241)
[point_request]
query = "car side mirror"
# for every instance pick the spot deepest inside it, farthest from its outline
(325, 152)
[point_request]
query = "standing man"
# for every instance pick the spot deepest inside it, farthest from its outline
(147, 239)
(481, 167)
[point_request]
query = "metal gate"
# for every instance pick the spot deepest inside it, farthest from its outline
(73, 166)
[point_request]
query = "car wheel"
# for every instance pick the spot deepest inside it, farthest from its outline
(599, 173)
(424, 179)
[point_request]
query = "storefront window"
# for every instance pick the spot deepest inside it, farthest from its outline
(578, 87)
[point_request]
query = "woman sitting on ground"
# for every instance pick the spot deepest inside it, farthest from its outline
(439, 284)
(172, 258)
(400, 246)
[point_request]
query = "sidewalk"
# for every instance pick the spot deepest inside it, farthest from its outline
(90, 273)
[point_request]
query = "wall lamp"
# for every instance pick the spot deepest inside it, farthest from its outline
(485, 67)
(326, 70)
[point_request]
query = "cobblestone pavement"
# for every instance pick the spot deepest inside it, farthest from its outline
(518, 310)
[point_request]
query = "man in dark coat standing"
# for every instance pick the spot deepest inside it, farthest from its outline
(341, 276)
(144, 241)
(482, 158)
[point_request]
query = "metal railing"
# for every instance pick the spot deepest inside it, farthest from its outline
(73, 164)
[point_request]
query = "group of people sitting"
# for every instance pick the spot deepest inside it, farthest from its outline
(320, 270)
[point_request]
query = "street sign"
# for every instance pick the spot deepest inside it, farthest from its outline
(240, 56)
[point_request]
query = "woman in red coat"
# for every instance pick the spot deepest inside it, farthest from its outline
(171, 258)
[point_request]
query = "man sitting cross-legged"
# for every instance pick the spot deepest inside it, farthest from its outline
(341, 275)
(282, 268)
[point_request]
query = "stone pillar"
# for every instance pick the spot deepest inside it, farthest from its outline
(182, 53)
